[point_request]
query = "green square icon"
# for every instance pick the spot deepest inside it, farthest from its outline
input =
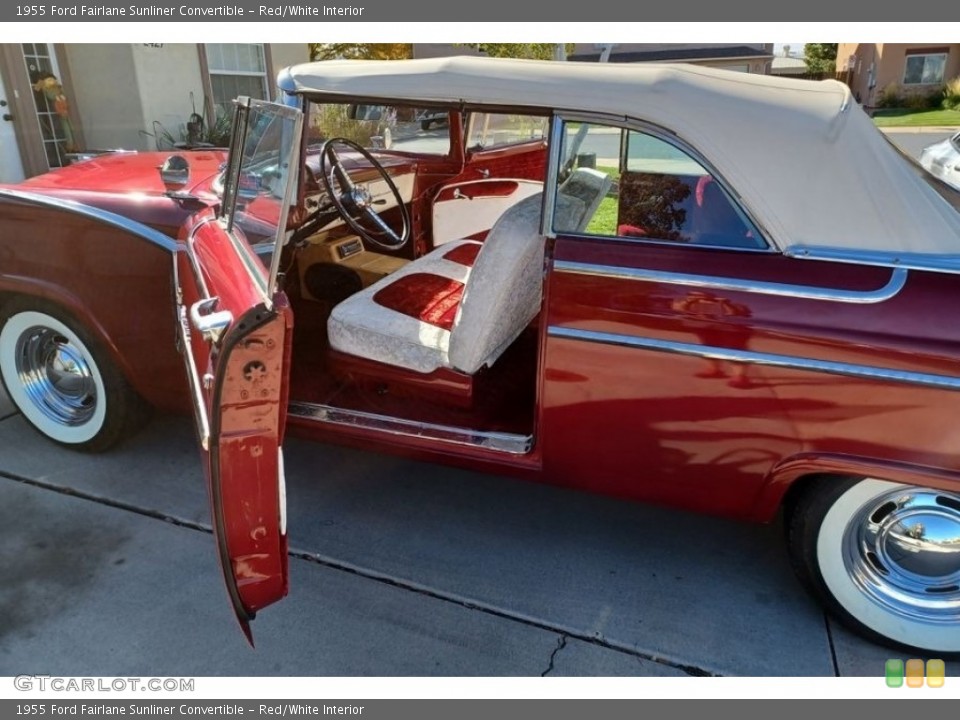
(894, 673)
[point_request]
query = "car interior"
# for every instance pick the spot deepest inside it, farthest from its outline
(416, 271)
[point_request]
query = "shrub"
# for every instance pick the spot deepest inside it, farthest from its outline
(934, 100)
(951, 95)
(890, 97)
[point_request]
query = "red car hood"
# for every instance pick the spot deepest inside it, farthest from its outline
(122, 173)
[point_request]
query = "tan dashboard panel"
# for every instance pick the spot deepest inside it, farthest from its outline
(349, 253)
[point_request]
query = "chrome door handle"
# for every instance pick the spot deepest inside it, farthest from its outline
(210, 323)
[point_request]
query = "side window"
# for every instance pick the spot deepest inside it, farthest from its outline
(624, 183)
(487, 131)
(398, 128)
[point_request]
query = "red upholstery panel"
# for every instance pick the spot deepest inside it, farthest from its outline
(429, 298)
(464, 254)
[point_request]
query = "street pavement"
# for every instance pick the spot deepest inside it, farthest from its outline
(397, 568)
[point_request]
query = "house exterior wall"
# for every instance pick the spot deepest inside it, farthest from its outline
(287, 54)
(106, 94)
(888, 62)
(157, 82)
(167, 75)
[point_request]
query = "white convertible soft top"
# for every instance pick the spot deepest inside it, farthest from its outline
(805, 159)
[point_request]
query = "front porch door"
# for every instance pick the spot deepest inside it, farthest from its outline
(11, 167)
(38, 100)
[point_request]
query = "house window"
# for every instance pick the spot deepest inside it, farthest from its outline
(236, 69)
(924, 69)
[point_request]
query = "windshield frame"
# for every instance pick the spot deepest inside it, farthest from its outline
(289, 158)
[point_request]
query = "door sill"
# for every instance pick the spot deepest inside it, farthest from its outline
(508, 443)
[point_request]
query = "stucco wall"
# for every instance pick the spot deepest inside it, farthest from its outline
(889, 60)
(106, 95)
(892, 63)
(286, 54)
(167, 74)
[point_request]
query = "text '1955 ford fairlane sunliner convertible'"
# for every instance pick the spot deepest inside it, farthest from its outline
(669, 284)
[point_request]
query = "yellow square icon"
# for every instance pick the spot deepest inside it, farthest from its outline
(936, 670)
(914, 673)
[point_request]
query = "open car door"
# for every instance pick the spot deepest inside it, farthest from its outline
(235, 330)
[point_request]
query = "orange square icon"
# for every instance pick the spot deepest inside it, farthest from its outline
(936, 670)
(914, 673)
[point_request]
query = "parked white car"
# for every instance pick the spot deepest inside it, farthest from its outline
(942, 159)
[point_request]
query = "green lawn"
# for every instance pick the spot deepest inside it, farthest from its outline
(604, 221)
(903, 117)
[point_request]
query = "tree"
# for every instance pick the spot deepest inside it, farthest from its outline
(821, 58)
(537, 51)
(360, 51)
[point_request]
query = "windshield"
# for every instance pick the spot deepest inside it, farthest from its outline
(398, 128)
(260, 184)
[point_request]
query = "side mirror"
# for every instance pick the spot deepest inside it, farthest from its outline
(175, 172)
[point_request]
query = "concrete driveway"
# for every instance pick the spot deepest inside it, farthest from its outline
(397, 568)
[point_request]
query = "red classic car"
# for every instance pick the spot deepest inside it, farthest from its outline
(721, 292)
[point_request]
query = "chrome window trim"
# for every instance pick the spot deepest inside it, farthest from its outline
(670, 137)
(154, 237)
(498, 441)
(550, 181)
(868, 372)
(898, 278)
(879, 258)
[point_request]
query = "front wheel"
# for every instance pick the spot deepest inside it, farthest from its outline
(884, 557)
(61, 380)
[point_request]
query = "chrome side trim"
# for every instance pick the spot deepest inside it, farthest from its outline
(498, 441)
(192, 257)
(152, 236)
(898, 278)
(914, 261)
(196, 393)
(869, 372)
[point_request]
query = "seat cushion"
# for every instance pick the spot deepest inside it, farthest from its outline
(405, 319)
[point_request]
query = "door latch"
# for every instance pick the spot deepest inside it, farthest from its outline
(210, 323)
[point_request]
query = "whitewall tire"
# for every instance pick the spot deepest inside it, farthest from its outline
(884, 557)
(57, 376)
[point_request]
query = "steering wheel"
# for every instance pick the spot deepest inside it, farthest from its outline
(354, 201)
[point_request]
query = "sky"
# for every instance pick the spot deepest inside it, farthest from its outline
(796, 48)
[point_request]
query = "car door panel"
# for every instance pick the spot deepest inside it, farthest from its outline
(469, 209)
(711, 364)
(235, 332)
(238, 378)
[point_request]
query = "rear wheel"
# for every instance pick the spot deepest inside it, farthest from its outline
(884, 557)
(61, 380)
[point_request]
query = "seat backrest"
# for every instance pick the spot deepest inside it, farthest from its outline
(505, 288)
(502, 294)
(587, 185)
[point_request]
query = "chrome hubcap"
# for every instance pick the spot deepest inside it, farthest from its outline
(903, 551)
(56, 376)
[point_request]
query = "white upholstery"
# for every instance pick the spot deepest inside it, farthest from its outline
(360, 326)
(587, 185)
(504, 289)
(502, 292)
